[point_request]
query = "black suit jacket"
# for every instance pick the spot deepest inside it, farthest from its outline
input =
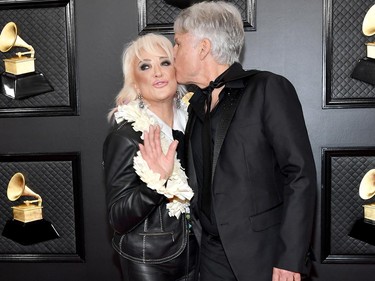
(264, 177)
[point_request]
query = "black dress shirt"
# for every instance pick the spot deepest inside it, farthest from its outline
(197, 102)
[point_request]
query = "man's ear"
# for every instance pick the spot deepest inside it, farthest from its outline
(204, 48)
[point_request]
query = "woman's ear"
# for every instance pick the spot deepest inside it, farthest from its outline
(205, 48)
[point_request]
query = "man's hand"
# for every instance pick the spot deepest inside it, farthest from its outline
(285, 275)
(152, 153)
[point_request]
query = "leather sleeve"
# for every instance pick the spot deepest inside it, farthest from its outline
(129, 200)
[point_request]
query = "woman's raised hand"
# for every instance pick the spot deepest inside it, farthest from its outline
(152, 153)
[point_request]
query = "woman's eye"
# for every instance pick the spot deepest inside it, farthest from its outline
(144, 66)
(166, 63)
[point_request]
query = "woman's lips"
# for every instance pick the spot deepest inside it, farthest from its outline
(160, 84)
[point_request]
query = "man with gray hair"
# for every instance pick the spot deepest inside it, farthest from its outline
(250, 162)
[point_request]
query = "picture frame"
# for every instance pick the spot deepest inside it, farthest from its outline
(49, 27)
(158, 16)
(342, 171)
(344, 46)
(56, 177)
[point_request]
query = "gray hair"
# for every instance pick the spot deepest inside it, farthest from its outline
(220, 22)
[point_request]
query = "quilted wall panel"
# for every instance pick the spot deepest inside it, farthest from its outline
(56, 179)
(344, 170)
(345, 46)
(158, 15)
(48, 29)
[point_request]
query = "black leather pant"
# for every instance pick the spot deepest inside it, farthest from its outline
(214, 264)
(182, 268)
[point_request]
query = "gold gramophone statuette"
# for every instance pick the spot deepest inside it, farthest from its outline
(28, 225)
(30, 210)
(367, 191)
(20, 80)
(364, 229)
(364, 69)
(20, 64)
(368, 29)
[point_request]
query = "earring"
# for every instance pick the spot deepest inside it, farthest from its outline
(178, 100)
(141, 104)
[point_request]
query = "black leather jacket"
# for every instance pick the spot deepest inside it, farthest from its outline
(143, 230)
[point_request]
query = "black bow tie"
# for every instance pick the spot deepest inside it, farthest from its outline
(207, 92)
(213, 85)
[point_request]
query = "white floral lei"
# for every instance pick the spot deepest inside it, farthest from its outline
(176, 189)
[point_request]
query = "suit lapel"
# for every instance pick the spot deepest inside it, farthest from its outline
(229, 108)
(230, 104)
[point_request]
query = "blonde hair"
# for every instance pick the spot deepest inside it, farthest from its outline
(150, 43)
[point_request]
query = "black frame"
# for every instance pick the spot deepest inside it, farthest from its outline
(55, 250)
(357, 251)
(144, 26)
(334, 53)
(34, 106)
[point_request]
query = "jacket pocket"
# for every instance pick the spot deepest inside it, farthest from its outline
(153, 244)
(267, 219)
(168, 235)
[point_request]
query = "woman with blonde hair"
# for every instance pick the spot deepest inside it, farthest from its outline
(148, 212)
